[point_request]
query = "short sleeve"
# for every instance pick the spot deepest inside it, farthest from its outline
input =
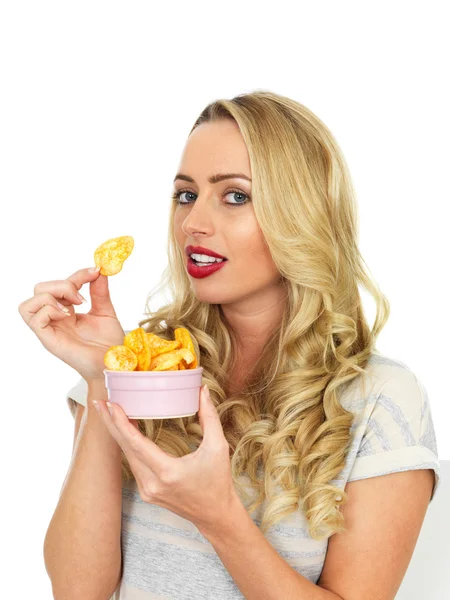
(399, 435)
(77, 393)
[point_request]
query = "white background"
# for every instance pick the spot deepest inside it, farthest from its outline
(97, 100)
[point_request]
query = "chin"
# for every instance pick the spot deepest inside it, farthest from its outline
(210, 296)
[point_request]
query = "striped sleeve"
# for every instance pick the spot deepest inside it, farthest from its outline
(399, 435)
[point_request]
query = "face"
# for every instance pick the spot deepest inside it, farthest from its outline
(220, 216)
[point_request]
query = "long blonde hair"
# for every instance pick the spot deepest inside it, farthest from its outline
(287, 423)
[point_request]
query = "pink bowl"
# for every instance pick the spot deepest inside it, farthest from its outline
(155, 394)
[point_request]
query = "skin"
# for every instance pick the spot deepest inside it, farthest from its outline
(248, 286)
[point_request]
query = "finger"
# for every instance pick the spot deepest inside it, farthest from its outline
(139, 464)
(44, 316)
(104, 413)
(209, 418)
(100, 297)
(135, 423)
(40, 310)
(64, 290)
(155, 458)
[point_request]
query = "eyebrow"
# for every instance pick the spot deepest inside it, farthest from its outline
(214, 178)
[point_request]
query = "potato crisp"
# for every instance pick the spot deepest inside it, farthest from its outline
(142, 351)
(111, 255)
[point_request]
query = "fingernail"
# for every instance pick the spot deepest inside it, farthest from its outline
(94, 269)
(80, 297)
(206, 390)
(63, 308)
(110, 408)
(96, 406)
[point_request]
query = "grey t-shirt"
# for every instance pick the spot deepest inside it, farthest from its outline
(166, 557)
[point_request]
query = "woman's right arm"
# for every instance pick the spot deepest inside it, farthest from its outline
(82, 547)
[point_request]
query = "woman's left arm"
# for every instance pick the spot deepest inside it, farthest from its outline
(383, 516)
(256, 567)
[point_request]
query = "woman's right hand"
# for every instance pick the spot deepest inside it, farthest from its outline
(80, 340)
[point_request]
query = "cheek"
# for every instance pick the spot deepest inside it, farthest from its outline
(244, 233)
(247, 235)
(255, 255)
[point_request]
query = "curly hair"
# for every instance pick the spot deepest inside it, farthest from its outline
(287, 430)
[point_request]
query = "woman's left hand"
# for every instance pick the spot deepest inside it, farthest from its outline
(197, 486)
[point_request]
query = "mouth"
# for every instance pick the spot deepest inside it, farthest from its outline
(199, 263)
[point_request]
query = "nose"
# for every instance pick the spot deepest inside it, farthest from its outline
(198, 220)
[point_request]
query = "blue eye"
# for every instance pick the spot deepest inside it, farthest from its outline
(176, 197)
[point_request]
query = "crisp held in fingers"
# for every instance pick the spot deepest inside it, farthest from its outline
(111, 255)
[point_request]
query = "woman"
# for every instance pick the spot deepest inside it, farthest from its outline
(314, 457)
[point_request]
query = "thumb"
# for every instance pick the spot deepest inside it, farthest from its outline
(209, 417)
(100, 298)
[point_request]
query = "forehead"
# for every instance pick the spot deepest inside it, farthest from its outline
(215, 148)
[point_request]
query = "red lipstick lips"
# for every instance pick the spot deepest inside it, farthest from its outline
(199, 272)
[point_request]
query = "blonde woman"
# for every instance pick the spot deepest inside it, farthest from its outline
(309, 468)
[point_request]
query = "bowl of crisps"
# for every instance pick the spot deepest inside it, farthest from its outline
(154, 378)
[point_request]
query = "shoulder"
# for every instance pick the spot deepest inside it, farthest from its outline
(386, 382)
(391, 474)
(393, 428)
